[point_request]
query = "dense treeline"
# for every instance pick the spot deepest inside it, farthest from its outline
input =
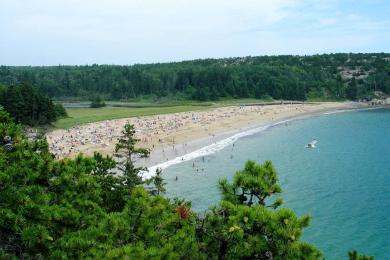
(333, 76)
(28, 105)
(76, 209)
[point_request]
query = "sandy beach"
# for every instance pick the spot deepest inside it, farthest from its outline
(172, 135)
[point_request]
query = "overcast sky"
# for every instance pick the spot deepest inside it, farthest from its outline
(52, 32)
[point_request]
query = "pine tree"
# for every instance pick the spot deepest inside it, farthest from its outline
(156, 183)
(242, 226)
(126, 152)
(97, 102)
(353, 255)
(254, 184)
(52, 209)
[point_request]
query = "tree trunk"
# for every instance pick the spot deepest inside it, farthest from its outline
(222, 250)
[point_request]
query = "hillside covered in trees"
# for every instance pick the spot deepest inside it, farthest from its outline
(328, 76)
(28, 105)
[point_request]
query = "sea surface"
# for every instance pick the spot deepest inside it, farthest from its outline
(344, 184)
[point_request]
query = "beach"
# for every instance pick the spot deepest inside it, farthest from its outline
(171, 135)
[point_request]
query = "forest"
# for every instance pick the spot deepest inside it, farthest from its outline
(29, 106)
(324, 77)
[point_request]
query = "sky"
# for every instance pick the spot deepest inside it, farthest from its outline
(79, 32)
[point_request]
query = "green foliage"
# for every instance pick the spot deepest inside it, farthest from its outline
(4, 116)
(60, 111)
(353, 255)
(125, 151)
(97, 102)
(114, 192)
(352, 91)
(62, 209)
(8, 127)
(27, 105)
(280, 77)
(81, 208)
(242, 226)
(252, 185)
(156, 184)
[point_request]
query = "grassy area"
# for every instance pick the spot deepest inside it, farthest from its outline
(79, 116)
(117, 110)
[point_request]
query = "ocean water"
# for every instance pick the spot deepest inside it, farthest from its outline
(344, 184)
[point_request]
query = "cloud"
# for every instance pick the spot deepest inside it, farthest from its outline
(327, 21)
(128, 31)
(136, 15)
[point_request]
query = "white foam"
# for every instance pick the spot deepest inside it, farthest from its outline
(210, 149)
(350, 110)
(337, 111)
(213, 148)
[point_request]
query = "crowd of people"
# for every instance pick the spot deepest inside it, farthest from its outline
(152, 131)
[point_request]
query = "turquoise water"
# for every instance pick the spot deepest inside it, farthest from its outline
(344, 184)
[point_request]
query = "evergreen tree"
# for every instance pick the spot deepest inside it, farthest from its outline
(126, 152)
(51, 209)
(27, 105)
(97, 102)
(353, 255)
(280, 77)
(156, 183)
(242, 226)
(351, 90)
(60, 110)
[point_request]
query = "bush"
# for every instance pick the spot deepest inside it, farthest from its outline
(97, 102)
(60, 110)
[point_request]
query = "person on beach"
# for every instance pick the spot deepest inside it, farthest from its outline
(101, 136)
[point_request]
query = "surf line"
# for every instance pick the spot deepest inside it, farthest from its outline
(218, 146)
(351, 110)
(212, 148)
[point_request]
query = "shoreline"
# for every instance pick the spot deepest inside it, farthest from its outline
(205, 146)
(172, 136)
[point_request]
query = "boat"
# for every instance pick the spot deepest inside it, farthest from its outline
(312, 144)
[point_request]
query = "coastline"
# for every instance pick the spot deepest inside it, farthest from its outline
(352, 142)
(187, 134)
(204, 146)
